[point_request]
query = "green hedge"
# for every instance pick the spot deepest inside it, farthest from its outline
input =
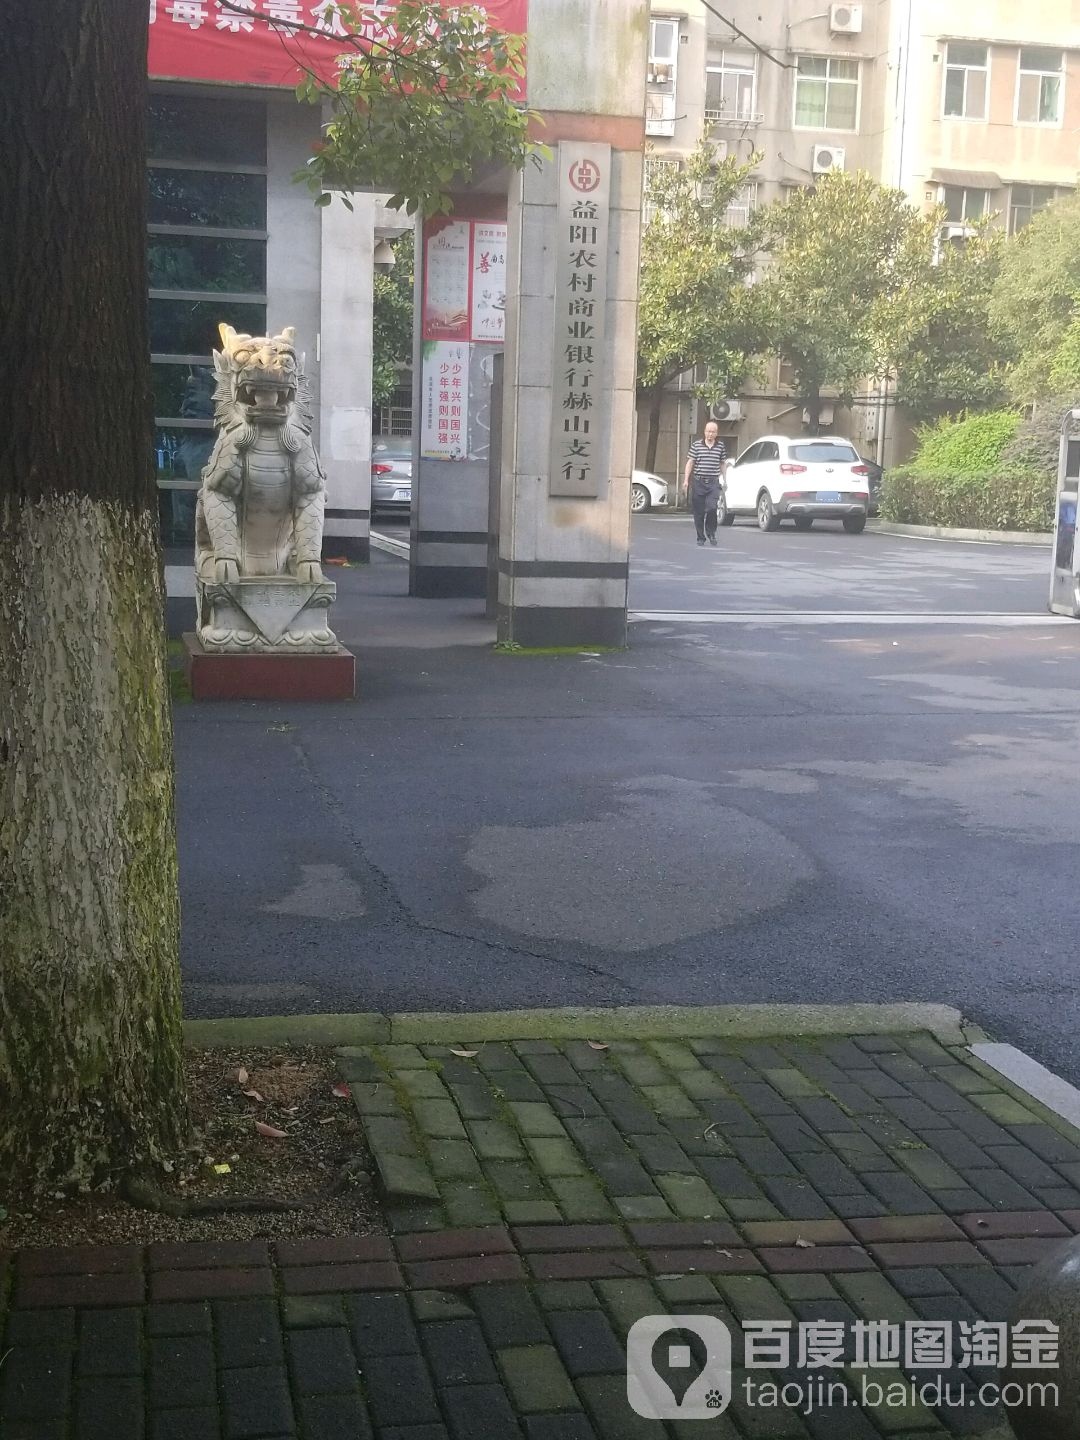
(971, 445)
(1009, 497)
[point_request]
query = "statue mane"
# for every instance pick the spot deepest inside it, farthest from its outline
(258, 354)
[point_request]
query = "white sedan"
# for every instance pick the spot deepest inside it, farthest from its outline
(646, 491)
(802, 478)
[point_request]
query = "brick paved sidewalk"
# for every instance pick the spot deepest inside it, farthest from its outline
(542, 1197)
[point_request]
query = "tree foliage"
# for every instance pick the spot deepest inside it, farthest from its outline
(1034, 302)
(697, 307)
(845, 253)
(419, 112)
(392, 322)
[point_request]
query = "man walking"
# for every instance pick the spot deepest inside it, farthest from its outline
(702, 479)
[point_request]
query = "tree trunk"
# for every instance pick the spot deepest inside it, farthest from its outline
(813, 408)
(90, 1039)
(655, 395)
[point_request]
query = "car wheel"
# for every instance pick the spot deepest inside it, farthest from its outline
(723, 514)
(767, 517)
(639, 499)
(803, 522)
(854, 524)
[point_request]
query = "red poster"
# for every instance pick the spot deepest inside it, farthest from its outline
(251, 42)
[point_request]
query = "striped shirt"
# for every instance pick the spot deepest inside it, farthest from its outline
(708, 463)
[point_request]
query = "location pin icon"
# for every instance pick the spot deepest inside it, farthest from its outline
(678, 1358)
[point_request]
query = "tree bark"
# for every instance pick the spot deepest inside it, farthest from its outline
(813, 408)
(90, 1023)
(655, 394)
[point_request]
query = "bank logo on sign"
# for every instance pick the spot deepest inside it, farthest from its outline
(584, 176)
(678, 1367)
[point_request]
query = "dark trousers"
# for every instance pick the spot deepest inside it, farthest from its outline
(704, 507)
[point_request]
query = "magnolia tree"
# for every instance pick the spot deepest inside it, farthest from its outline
(697, 307)
(90, 1036)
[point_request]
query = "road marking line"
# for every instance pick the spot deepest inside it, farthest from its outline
(835, 617)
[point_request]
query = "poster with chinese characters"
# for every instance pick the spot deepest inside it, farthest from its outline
(447, 264)
(444, 417)
(488, 281)
(580, 385)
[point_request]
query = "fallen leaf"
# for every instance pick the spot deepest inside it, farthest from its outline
(242, 1076)
(270, 1131)
(804, 1244)
(597, 1045)
(291, 1109)
(465, 1054)
(254, 1095)
(341, 1090)
(223, 1169)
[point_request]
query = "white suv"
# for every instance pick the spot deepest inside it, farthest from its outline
(808, 478)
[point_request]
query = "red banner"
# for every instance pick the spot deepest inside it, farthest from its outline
(254, 42)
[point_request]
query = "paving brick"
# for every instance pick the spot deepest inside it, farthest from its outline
(825, 1115)
(509, 1315)
(685, 1232)
(1020, 1251)
(381, 1325)
(54, 1329)
(182, 1367)
(36, 1430)
(452, 1159)
(555, 1156)
(669, 1100)
(1072, 1219)
(335, 1279)
(537, 1120)
(302, 1312)
(796, 1198)
(322, 1362)
(761, 1156)
(404, 1177)
(45, 1291)
(907, 1228)
(1022, 1165)
(579, 1199)
(497, 1057)
(605, 1399)
(643, 1207)
(994, 1225)
(689, 1196)
(469, 1270)
(374, 1098)
(209, 1284)
(248, 1333)
(586, 1342)
(457, 1353)
(788, 1232)
(713, 1262)
(900, 1193)
(754, 1297)
(1004, 1109)
(474, 1101)
(256, 1403)
(81, 1260)
(532, 1212)
(112, 1408)
(35, 1384)
(345, 1249)
(432, 1305)
(551, 1069)
(585, 1265)
(480, 1412)
(826, 1259)
(574, 1102)
(333, 1417)
(447, 1245)
(681, 1293)
(421, 1085)
(179, 1319)
(830, 1176)
(536, 1380)
(521, 1089)
(627, 1301)
(853, 1099)
(729, 1179)
(1048, 1144)
(990, 1294)
(399, 1391)
(805, 1287)
(875, 1297)
(569, 1426)
(1001, 1190)
(733, 1118)
(793, 1135)
(661, 1154)
(390, 1133)
(921, 1281)
(468, 1205)
(514, 1180)
(208, 1255)
(927, 1252)
(194, 1423)
(110, 1342)
(791, 1082)
(565, 1295)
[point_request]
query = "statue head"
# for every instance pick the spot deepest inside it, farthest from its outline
(258, 376)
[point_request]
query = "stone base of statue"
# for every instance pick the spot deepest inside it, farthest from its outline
(265, 613)
(328, 673)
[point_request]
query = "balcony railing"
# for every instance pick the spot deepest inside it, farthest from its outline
(733, 117)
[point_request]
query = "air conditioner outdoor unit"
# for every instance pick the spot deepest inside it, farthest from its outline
(727, 410)
(824, 418)
(827, 158)
(845, 19)
(958, 231)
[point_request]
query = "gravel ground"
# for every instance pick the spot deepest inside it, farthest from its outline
(297, 1092)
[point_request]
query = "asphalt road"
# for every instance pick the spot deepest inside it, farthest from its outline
(739, 808)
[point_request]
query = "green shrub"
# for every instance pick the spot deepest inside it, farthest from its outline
(1008, 497)
(969, 446)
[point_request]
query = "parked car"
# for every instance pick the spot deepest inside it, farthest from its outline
(874, 473)
(646, 490)
(805, 478)
(391, 477)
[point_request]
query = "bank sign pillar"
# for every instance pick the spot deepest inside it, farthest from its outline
(568, 411)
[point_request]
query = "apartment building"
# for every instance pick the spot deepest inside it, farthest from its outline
(971, 103)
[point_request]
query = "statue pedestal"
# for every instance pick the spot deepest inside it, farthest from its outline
(269, 674)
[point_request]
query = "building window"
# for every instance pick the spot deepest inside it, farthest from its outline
(1026, 201)
(967, 76)
(657, 168)
(741, 206)
(206, 175)
(826, 93)
(963, 205)
(730, 84)
(1039, 87)
(661, 77)
(394, 419)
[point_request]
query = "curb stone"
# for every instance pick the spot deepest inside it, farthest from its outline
(949, 532)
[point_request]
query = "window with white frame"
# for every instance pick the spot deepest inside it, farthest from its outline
(1025, 202)
(661, 76)
(967, 80)
(657, 168)
(1039, 86)
(964, 205)
(741, 206)
(826, 93)
(730, 77)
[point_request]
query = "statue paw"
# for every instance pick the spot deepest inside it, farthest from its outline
(309, 571)
(226, 571)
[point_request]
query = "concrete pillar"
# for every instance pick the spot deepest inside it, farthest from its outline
(344, 409)
(566, 460)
